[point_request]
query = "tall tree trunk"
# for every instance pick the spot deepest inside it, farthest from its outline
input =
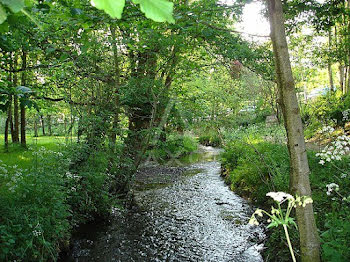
(341, 77)
(15, 134)
(42, 124)
(10, 116)
(330, 72)
(49, 127)
(7, 125)
(346, 79)
(299, 173)
(22, 106)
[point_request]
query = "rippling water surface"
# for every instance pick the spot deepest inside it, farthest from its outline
(194, 218)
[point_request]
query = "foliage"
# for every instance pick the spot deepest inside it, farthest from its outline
(245, 164)
(281, 217)
(253, 168)
(40, 206)
(157, 10)
(174, 147)
(325, 110)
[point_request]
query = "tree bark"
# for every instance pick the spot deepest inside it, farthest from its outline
(341, 77)
(299, 173)
(22, 105)
(330, 72)
(49, 127)
(15, 135)
(42, 124)
(7, 125)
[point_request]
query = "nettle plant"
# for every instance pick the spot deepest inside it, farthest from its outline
(279, 215)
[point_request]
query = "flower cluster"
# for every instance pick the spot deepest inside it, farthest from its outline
(279, 196)
(37, 233)
(327, 130)
(13, 175)
(69, 175)
(332, 187)
(42, 151)
(336, 150)
(277, 216)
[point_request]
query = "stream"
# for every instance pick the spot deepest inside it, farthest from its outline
(183, 212)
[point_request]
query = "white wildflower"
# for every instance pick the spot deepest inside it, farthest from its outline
(279, 196)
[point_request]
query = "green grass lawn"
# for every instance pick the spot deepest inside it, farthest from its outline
(24, 158)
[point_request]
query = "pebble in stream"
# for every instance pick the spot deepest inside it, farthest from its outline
(194, 219)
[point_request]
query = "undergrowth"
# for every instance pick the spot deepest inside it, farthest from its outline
(253, 167)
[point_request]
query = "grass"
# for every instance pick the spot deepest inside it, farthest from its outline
(24, 157)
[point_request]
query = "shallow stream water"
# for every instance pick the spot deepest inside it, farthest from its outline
(195, 217)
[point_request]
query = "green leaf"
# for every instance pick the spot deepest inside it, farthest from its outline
(273, 224)
(14, 5)
(112, 7)
(4, 27)
(3, 14)
(157, 10)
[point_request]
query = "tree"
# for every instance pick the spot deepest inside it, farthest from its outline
(299, 173)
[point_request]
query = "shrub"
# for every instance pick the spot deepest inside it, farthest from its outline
(34, 215)
(254, 169)
(210, 138)
(175, 146)
(40, 206)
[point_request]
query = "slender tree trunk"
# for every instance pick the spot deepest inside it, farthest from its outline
(16, 120)
(299, 173)
(65, 126)
(7, 124)
(330, 72)
(346, 79)
(49, 127)
(341, 77)
(42, 124)
(22, 106)
(15, 135)
(10, 116)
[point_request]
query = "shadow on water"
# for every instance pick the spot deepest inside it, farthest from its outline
(192, 216)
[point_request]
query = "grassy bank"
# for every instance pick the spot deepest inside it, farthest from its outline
(46, 191)
(252, 167)
(24, 158)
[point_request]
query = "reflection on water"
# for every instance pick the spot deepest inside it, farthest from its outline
(196, 218)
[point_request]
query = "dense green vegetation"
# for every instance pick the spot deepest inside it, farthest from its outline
(256, 162)
(89, 90)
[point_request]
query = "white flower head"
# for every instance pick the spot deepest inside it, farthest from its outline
(280, 196)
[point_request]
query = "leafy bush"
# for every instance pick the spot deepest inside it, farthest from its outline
(34, 215)
(253, 169)
(324, 110)
(40, 206)
(175, 146)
